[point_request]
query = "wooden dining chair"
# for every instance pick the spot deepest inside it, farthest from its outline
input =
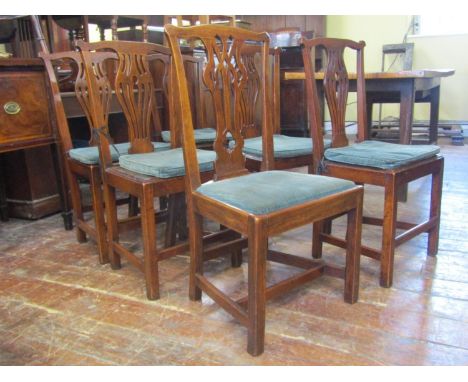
(143, 173)
(204, 135)
(388, 165)
(256, 205)
(288, 152)
(83, 162)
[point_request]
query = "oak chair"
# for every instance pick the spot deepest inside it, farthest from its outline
(288, 152)
(388, 165)
(204, 135)
(260, 204)
(142, 173)
(83, 163)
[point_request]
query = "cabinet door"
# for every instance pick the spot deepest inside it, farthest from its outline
(24, 113)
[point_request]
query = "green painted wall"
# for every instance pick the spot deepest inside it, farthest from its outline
(433, 52)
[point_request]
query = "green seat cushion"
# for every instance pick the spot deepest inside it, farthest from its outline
(165, 164)
(382, 155)
(284, 146)
(264, 192)
(204, 135)
(90, 155)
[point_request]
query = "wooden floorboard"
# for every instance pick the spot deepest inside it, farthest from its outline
(58, 306)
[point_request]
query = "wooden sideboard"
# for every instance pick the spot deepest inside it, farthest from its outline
(31, 174)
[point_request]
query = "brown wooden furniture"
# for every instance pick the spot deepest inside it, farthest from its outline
(226, 76)
(336, 85)
(406, 87)
(78, 26)
(26, 123)
(289, 152)
(135, 91)
(187, 20)
(32, 178)
(293, 105)
(77, 170)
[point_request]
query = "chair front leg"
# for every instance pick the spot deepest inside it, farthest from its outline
(388, 234)
(148, 226)
(112, 225)
(353, 252)
(258, 248)
(436, 198)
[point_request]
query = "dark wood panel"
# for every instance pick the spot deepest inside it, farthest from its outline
(31, 184)
(29, 116)
(26, 135)
(316, 23)
(295, 22)
(270, 23)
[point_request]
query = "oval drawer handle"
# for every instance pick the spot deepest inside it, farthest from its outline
(12, 108)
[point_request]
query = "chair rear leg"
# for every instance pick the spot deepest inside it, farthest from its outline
(436, 198)
(236, 256)
(148, 226)
(388, 234)
(171, 222)
(196, 253)
(327, 226)
(112, 225)
(258, 248)
(132, 206)
(98, 208)
(317, 244)
(182, 226)
(353, 252)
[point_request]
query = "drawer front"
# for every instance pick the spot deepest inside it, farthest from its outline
(24, 110)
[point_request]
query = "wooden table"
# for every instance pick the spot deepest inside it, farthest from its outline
(26, 123)
(405, 88)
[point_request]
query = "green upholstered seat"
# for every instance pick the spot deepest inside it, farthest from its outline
(90, 155)
(263, 192)
(165, 164)
(284, 146)
(204, 135)
(382, 155)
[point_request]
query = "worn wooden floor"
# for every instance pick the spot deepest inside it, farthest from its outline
(58, 306)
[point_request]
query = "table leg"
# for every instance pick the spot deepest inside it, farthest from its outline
(369, 108)
(434, 116)
(407, 97)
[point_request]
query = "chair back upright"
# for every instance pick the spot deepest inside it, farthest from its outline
(225, 75)
(335, 86)
(95, 110)
(134, 88)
